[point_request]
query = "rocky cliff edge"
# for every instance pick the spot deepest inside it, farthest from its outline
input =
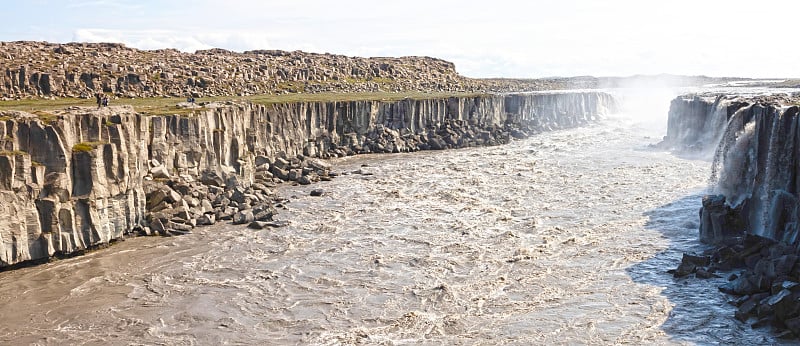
(82, 177)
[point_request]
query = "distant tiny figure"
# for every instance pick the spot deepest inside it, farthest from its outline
(99, 98)
(105, 101)
(190, 99)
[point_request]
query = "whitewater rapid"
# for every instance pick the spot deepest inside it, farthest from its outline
(562, 238)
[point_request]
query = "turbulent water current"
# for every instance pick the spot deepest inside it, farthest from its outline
(562, 238)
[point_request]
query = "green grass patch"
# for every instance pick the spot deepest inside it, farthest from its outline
(85, 146)
(45, 117)
(166, 110)
(30, 105)
(362, 96)
(12, 153)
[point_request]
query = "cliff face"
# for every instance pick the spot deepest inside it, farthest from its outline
(84, 177)
(754, 181)
(696, 123)
(752, 214)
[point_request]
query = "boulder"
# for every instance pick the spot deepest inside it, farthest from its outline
(318, 165)
(211, 178)
(160, 172)
(242, 217)
(257, 225)
(157, 226)
(206, 220)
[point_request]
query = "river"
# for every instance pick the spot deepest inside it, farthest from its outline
(565, 237)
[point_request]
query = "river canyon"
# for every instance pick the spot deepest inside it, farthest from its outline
(563, 237)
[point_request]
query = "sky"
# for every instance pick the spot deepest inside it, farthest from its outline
(497, 38)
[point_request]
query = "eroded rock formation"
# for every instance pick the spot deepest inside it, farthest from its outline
(752, 141)
(753, 212)
(83, 177)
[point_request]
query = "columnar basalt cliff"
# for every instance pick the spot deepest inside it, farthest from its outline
(81, 177)
(751, 140)
(696, 123)
(753, 212)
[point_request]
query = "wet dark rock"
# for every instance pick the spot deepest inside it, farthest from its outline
(238, 196)
(265, 224)
(262, 162)
(257, 225)
(280, 173)
(718, 222)
(243, 217)
(277, 223)
(157, 226)
(281, 163)
(295, 174)
(705, 274)
(793, 324)
(305, 180)
(768, 290)
(263, 213)
(689, 265)
(206, 220)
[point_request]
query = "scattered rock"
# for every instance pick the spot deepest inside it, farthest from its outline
(160, 172)
(242, 217)
(257, 225)
(768, 286)
(206, 220)
(317, 192)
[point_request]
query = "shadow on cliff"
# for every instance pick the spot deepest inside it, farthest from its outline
(700, 313)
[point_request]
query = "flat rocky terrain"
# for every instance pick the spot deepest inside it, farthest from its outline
(79, 70)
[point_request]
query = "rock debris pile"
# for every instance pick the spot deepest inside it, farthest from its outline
(763, 276)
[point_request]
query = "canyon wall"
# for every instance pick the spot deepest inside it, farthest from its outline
(82, 177)
(754, 145)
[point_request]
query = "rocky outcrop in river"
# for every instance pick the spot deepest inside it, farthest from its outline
(83, 177)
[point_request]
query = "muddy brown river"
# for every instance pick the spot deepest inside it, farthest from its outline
(564, 238)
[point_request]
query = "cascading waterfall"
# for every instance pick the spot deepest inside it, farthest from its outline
(697, 124)
(753, 173)
(734, 160)
(714, 126)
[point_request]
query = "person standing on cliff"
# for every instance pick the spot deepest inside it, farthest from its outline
(105, 101)
(99, 98)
